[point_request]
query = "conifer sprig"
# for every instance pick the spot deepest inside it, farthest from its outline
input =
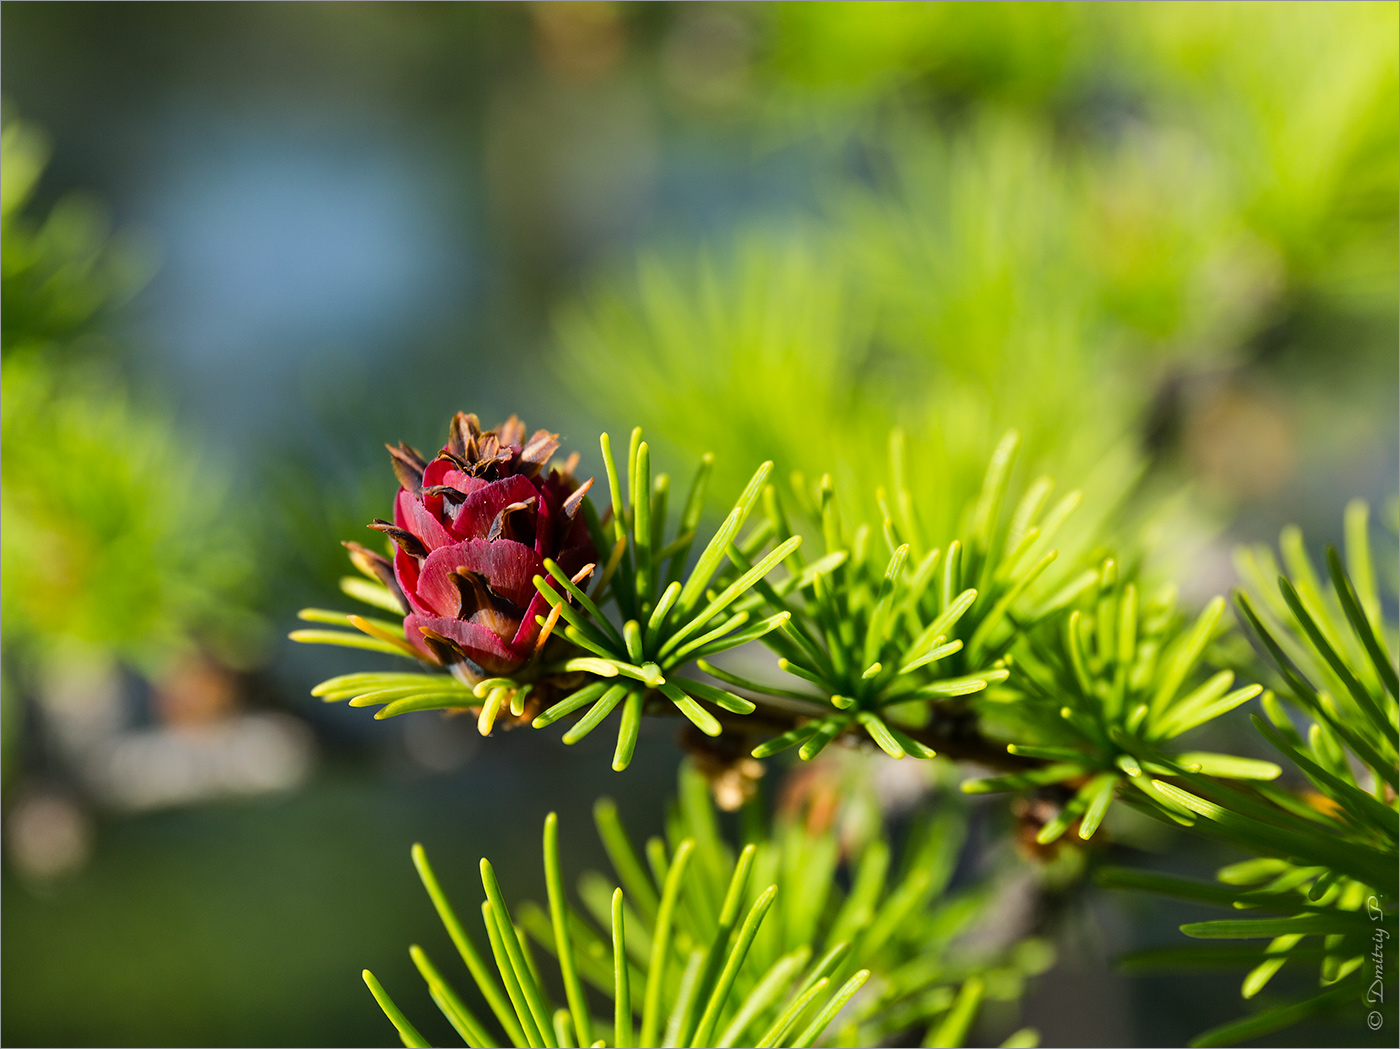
(1102, 692)
(888, 637)
(668, 614)
(670, 617)
(1323, 885)
(707, 944)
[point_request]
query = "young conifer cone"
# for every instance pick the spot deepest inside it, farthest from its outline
(473, 528)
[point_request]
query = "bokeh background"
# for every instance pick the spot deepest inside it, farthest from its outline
(247, 244)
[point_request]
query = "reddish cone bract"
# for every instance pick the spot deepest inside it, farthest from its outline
(473, 528)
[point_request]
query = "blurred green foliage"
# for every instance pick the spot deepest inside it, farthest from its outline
(59, 274)
(119, 533)
(136, 553)
(1050, 213)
